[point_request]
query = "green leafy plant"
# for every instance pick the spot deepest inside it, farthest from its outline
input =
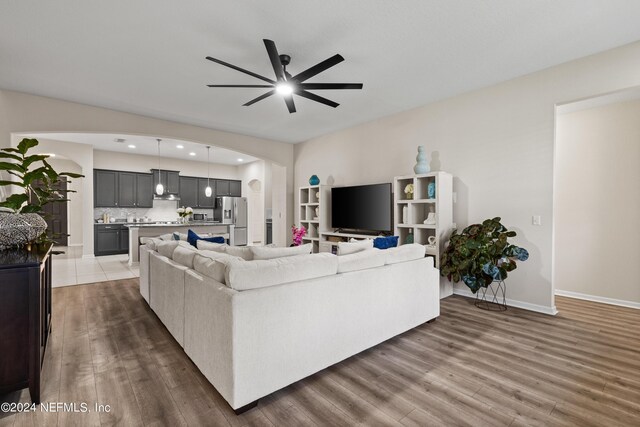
(481, 254)
(35, 176)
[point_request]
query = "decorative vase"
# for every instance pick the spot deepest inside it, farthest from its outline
(409, 238)
(405, 215)
(421, 161)
(431, 219)
(431, 190)
(20, 229)
(314, 180)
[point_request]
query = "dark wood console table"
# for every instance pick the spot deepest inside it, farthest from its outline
(25, 317)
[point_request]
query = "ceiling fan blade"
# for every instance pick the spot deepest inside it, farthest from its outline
(240, 85)
(260, 98)
(290, 105)
(275, 59)
(318, 68)
(242, 70)
(322, 86)
(317, 98)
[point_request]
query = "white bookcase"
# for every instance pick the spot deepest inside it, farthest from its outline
(419, 207)
(313, 212)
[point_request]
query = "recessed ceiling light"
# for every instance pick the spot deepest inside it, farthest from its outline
(192, 153)
(180, 146)
(131, 146)
(241, 160)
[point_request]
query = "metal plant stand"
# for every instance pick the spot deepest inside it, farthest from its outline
(492, 297)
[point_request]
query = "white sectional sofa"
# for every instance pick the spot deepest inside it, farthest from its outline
(255, 326)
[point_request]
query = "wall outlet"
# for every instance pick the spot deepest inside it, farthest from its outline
(536, 220)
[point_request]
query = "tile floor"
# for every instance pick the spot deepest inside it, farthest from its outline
(70, 269)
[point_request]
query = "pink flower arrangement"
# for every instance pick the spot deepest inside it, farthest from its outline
(298, 234)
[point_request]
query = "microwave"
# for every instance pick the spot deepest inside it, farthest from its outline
(199, 217)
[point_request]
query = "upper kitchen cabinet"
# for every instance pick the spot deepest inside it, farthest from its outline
(144, 190)
(235, 188)
(189, 191)
(105, 188)
(204, 201)
(170, 180)
(225, 187)
(122, 189)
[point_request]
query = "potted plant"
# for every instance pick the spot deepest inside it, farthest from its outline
(298, 234)
(184, 214)
(481, 254)
(22, 219)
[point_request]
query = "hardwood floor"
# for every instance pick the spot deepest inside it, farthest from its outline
(470, 367)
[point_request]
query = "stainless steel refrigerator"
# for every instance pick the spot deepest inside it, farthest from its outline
(233, 210)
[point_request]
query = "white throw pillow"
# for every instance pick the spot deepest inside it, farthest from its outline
(168, 236)
(369, 258)
(345, 248)
(404, 253)
(264, 252)
(166, 248)
(243, 252)
(152, 243)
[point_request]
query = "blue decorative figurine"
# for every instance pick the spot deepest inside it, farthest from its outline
(421, 166)
(314, 180)
(431, 190)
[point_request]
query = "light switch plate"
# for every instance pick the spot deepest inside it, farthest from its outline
(536, 220)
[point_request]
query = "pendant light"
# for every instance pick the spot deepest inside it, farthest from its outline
(159, 187)
(208, 191)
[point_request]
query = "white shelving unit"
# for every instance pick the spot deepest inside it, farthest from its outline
(313, 212)
(419, 208)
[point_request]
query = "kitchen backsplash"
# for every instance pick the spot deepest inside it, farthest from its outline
(162, 210)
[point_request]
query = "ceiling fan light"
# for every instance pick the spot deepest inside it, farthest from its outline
(159, 189)
(284, 89)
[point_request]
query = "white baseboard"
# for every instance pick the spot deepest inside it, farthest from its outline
(74, 244)
(88, 256)
(594, 298)
(513, 303)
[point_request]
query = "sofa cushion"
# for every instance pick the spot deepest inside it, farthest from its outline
(264, 252)
(152, 243)
(184, 255)
(345, 248)
(168, 236)
(369, 258)
(210, 246)
(212, 264)
(179, 236)
(404, 253)
(263, 273)
(166, 248)
(243, 252)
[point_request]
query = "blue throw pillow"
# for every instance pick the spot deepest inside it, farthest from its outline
(385, 242)
(193, 238)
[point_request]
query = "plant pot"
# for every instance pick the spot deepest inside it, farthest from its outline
(20, 229)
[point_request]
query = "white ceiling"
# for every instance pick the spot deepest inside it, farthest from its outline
(148, 57)
(146, 145)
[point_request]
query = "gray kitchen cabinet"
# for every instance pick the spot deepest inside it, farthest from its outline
(105, 188)
(170, 180)
(205, 202)
(127, 189)
(189, 191)
(222, 187)
(144, 190)
(235, 188)
(111, 239)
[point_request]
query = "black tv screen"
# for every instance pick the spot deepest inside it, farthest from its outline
(363, 207)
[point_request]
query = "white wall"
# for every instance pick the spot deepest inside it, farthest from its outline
(74, 206)
(597, 203)
(254, 171)
(497, 142)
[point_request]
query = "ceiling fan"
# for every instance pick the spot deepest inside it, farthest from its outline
(287, 85)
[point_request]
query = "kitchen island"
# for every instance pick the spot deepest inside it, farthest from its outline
(140, 229)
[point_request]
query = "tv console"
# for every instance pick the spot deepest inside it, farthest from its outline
(329, 239)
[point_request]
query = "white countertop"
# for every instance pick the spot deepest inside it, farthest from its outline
(151, 224)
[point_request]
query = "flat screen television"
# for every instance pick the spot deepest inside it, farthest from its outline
(362, 207)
